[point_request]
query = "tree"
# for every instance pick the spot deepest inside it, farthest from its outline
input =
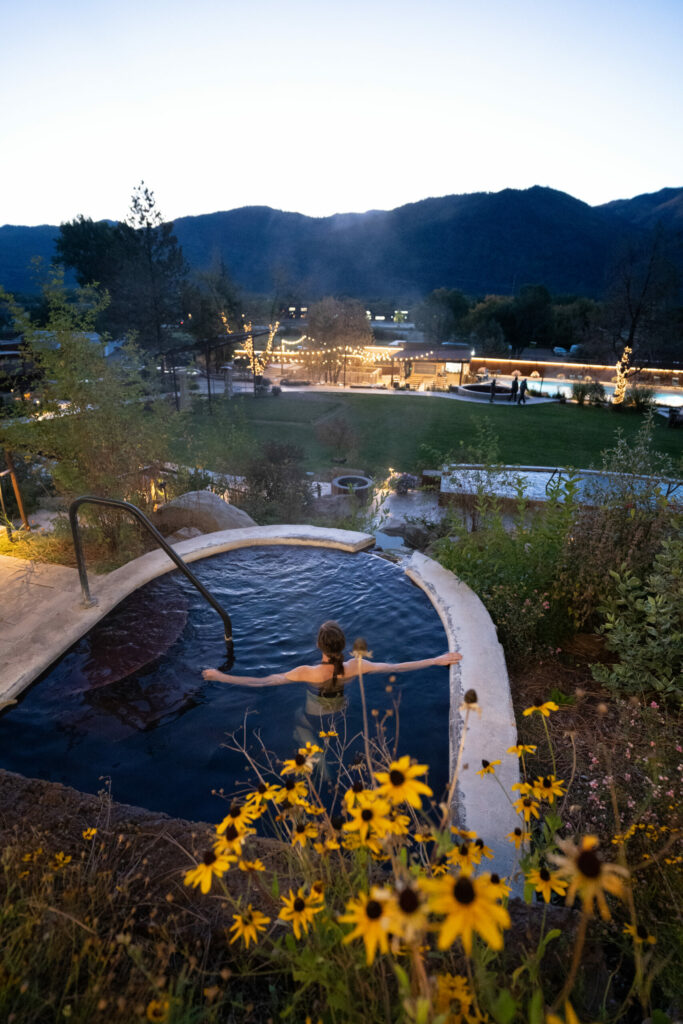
(334, 327)
(152, 278)
(642, 306)
(94, 423)
(441, 314)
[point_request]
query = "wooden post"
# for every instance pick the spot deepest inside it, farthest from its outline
(15, 485)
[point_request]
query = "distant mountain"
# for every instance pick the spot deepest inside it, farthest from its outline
(484, 242)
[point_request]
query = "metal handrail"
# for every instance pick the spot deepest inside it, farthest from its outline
(126, 506)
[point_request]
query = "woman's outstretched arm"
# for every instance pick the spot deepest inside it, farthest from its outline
(449, 658)
(303, 674)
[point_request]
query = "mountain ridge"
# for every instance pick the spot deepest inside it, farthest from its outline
(481, 242)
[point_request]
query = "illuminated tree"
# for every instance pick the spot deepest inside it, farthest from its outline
(336, 327)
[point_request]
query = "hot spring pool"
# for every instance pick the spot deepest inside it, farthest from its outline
(158, 731)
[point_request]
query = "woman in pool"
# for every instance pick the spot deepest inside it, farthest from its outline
(326, 680)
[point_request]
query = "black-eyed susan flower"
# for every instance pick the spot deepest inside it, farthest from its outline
(487, 768)
(521, 748)
(302, 832)
(546, 882)
(230, 842)
(251, 866)
(89, 833)
(401, 783)
(453, 996)
(407, 910)
(158, 1010)
(247, 925)
(212, 866)
(264, 791)
(423, 837)
(523, 788)
(468, 906)
(369, 914)
(499, 887)
(542, 709)
(463, 855)
(569, 1016)
(469, 703)
(547, 787)
(370, 817)
(639, 934)
(240, 816)
(589, 876)
(328, 734)
(300, 909)
(60, 860)
(463, 833)
(351, 795)
(518, 836)
(479, 850)
(527, 807)
(294, 792)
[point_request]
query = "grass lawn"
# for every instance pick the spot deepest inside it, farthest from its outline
(391, 428)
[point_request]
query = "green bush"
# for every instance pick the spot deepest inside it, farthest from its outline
(644, 626)
(641, 397)
(580, 392)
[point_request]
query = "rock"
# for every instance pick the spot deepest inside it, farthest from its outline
(202, 510)
(184, 533)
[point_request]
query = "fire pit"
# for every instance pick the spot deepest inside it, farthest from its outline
(359, 487)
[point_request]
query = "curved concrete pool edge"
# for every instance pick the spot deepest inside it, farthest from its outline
(50, 629)
(480, 803)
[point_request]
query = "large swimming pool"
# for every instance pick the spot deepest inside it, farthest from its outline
(158, 730)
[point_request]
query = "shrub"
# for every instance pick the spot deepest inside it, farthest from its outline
(596, 393)
(580, 392)
(641, 397)
(644, 626)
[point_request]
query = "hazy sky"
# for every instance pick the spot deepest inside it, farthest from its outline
(331, 107)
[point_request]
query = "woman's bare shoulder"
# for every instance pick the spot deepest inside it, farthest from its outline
(309, 674)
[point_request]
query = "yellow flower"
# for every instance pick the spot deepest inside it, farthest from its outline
(589, 876)
(60, 860)
(423, 837)
(521, 748)
(406, 909)
(369, 816)
(370, 916)
(453, 988)
(330, 734)
(463, 855)
(517, 836)
(351, 795)
(302, 831)
(639, 934)
(158, 1010)
(251, 865)
(400, 784)
(265, 791)
(240, 816)
(569, 1016)
(547, 787)
(300, 910)
(480, 849)
(543, 709)
(89, 833)
(248, 925)
(526, 806)
(230, 843)
(304, 762)
(212, 866)
(469, 906)
(546, 883)
(487, 768)
(498, 886)
(292, 792)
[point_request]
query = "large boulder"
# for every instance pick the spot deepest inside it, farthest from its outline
(202, 510)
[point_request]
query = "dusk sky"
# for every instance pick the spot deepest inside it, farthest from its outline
(333, 107)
